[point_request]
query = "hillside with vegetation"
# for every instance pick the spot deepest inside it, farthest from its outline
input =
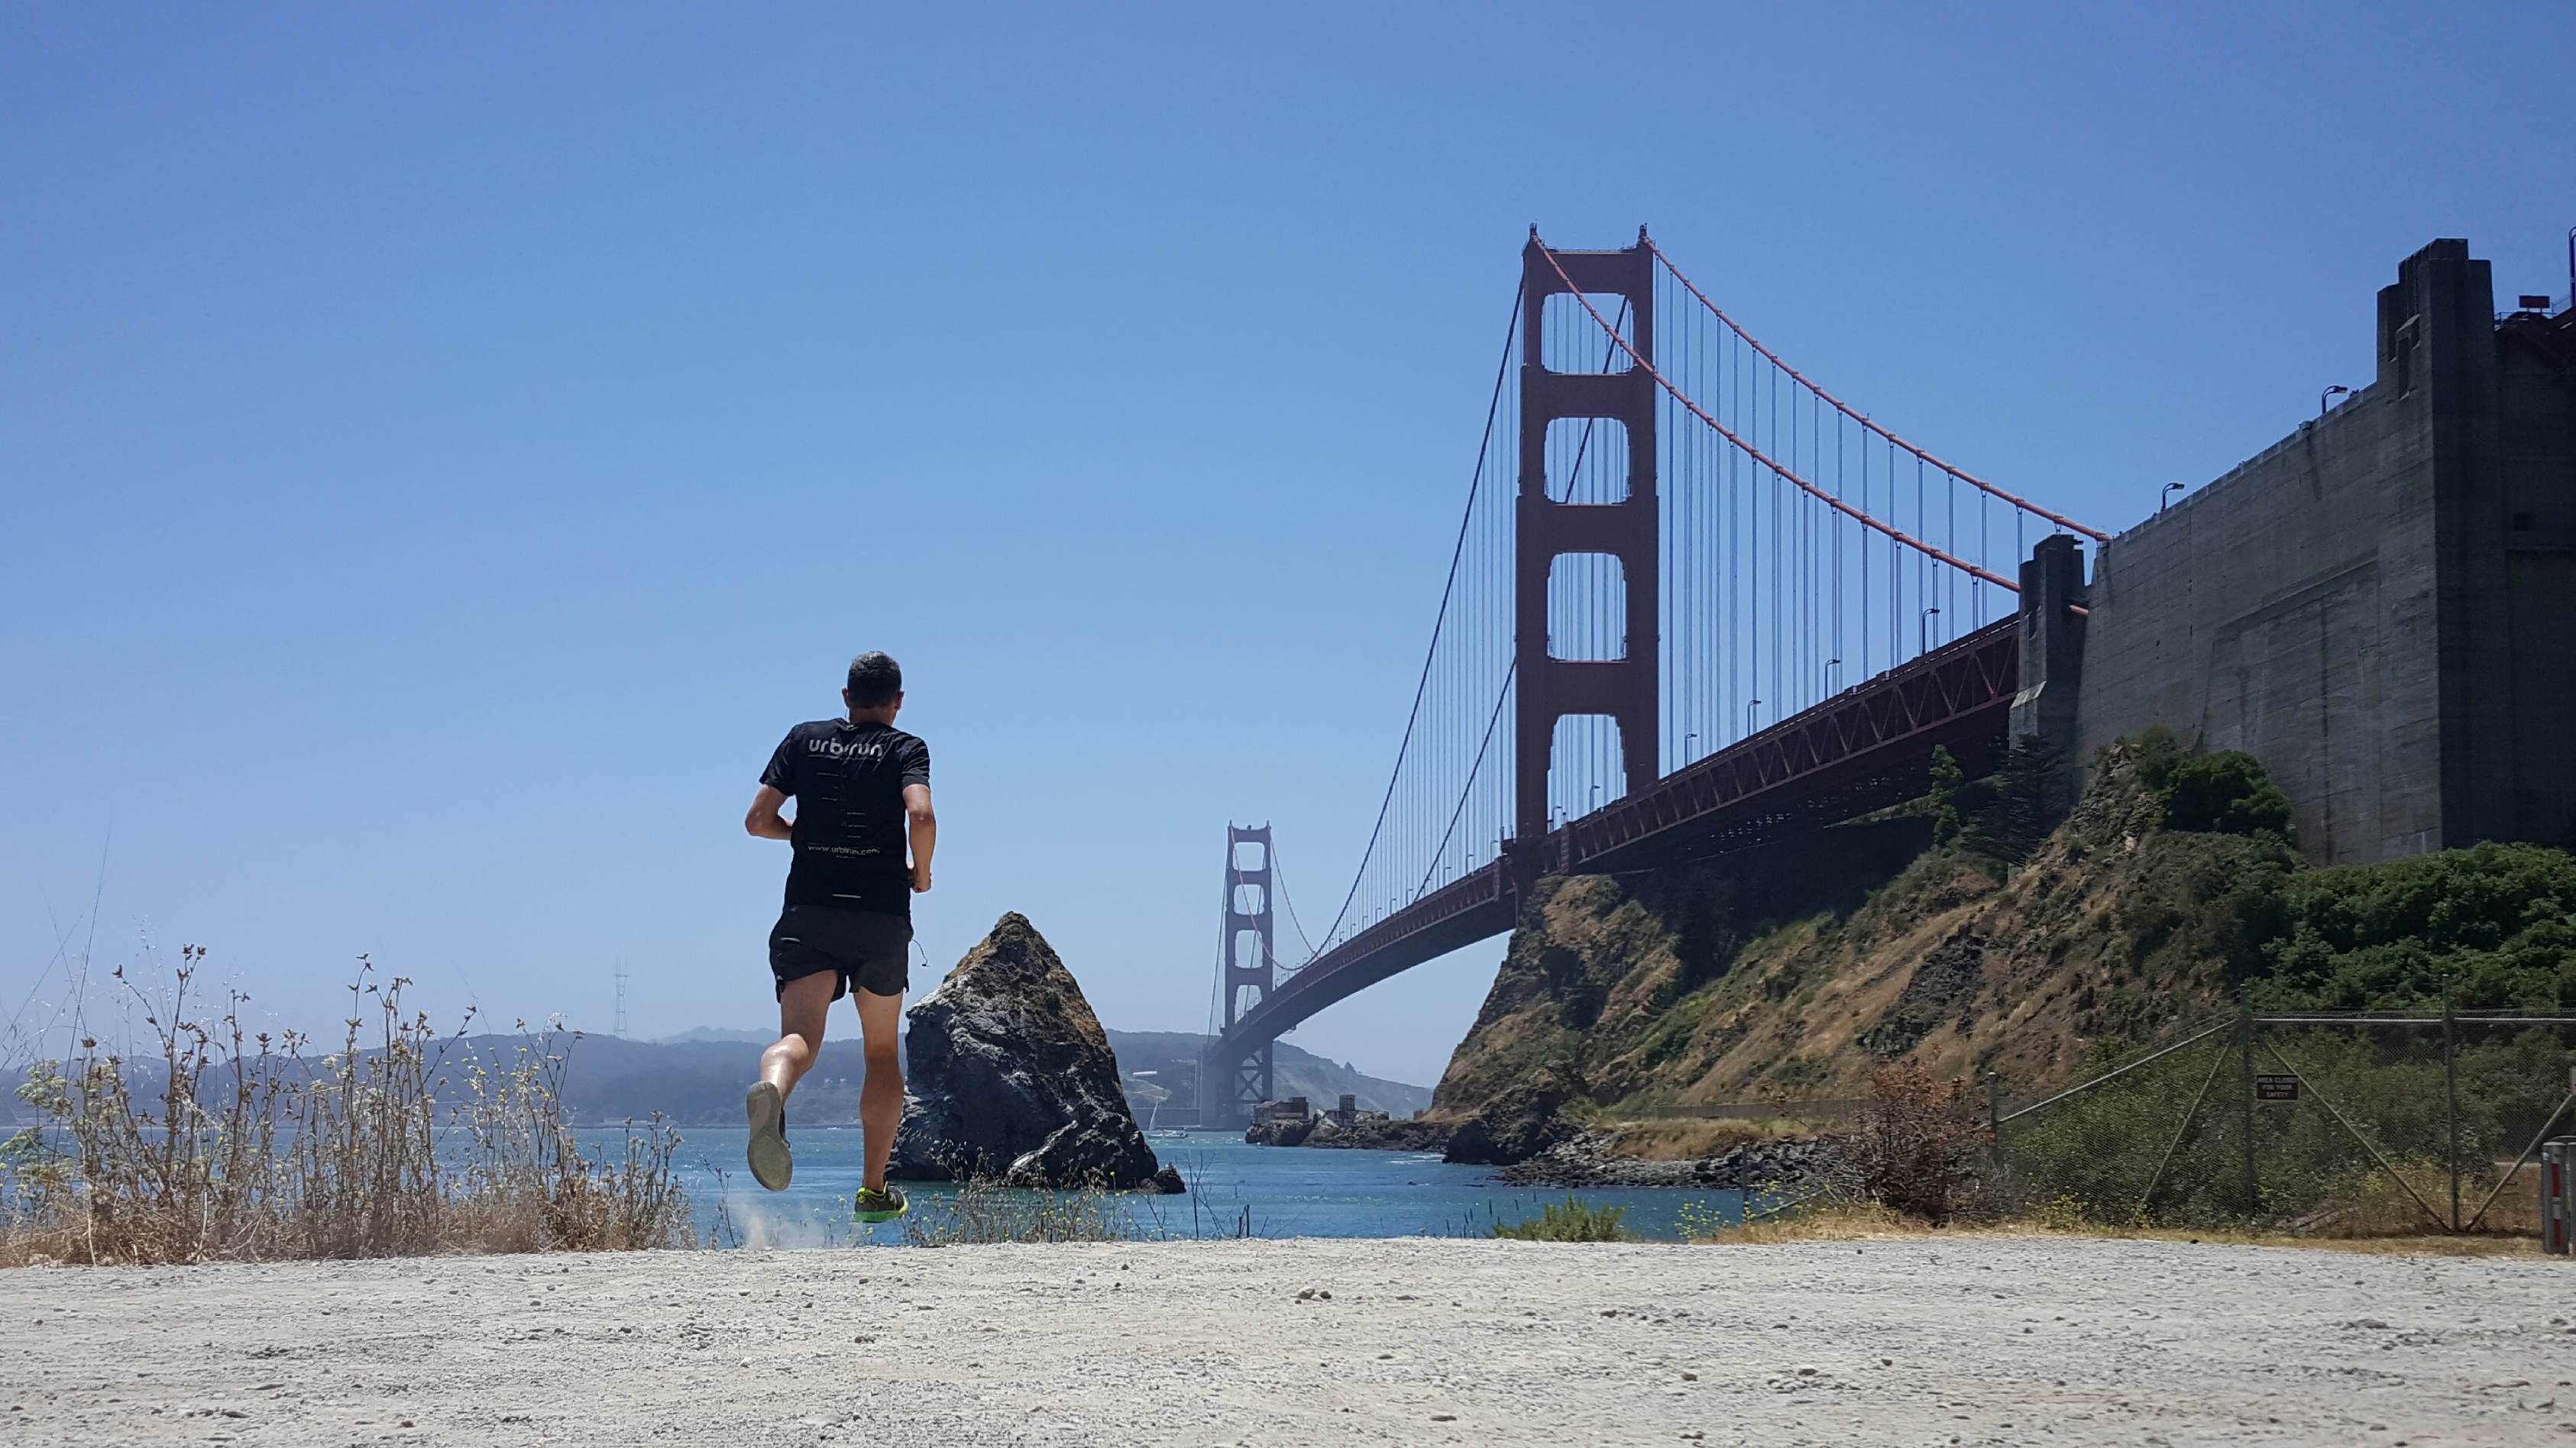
(1988, 927)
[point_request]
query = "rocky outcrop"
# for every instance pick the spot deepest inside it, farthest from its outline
(1585, 1160)
(1789, 970)
(1281, 1131)
(1373, 1132)
(1523, 1121)
(1638, 985)
(1011, 1079)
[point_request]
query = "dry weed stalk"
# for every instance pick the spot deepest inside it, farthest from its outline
(414, 1144)
(1912, 1148)
(978, 1208)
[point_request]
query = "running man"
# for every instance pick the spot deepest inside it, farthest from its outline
(862, 788)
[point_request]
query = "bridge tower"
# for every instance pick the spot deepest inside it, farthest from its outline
(1229, 1088)
(1549, 688)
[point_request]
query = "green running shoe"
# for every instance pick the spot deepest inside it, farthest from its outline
(767, 1155)
(880, 1204)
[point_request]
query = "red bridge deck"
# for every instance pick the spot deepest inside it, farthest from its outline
(1863, 749)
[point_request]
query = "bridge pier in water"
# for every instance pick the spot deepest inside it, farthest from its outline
(1231, 1083)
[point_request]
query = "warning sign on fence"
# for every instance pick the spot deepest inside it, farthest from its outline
(2276, 1088)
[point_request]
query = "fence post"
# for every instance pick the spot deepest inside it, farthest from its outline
(1994, 1122)
(2245, 1106)
(2553, 1196)
(2451, 1101)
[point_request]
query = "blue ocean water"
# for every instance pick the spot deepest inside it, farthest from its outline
(1236, 1189)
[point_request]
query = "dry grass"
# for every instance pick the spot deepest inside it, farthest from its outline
(251, 1150)
(1682, 1140)
(1916, 1164)
(977, 1210)
(1825, 1222)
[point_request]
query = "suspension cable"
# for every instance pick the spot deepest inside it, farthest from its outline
(1970, 479)
(1430, 655)
(1279, 881)
(1757, 454)
(1473, 771)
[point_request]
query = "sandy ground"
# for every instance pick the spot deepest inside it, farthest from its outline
(1938, 1341)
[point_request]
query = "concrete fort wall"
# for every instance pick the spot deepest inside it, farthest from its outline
(2382, 606)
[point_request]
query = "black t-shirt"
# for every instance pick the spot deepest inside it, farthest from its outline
(847, 780)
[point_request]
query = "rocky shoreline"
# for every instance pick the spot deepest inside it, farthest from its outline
(1585, 1161)
(1372, 1132)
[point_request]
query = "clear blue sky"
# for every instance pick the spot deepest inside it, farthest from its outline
(443, 448)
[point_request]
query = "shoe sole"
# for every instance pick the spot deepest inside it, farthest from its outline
(772, 1165)
(872, 1218)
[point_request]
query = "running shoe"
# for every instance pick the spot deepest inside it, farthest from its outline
(772, 1165)
(880, 1204)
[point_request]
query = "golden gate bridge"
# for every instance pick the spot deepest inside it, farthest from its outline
(1696, 603)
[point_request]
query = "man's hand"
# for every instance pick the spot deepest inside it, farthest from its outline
(920, 879)
(764, 819)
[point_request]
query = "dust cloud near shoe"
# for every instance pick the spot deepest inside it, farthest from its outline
(1011, 1078)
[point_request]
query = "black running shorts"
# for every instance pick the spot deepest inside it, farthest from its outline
(863, 947)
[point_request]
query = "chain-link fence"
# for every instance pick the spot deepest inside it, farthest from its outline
(2312, 1121)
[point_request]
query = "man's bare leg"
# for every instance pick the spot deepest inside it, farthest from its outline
(881, 1097)
(803, 1009)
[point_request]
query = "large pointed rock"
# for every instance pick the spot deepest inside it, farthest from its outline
(1011, 1077)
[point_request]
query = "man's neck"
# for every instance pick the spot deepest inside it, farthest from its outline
(873, 716)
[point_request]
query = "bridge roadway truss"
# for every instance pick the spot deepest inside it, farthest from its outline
(1866, 748)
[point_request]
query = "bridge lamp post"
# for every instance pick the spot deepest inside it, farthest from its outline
(2337, 391)
(1748, 716)
(1923, 639)
(1830, 666)
(2169, 490)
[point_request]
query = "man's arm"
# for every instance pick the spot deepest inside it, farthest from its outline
(925, 832)
(765, 820)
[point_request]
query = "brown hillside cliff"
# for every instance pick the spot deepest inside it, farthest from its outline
(1784, 973)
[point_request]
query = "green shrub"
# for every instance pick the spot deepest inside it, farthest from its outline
(2225, 793)
(2204, 906)
(2096, 1155)
(1574, 1221)
(2493, 919)
(2025, 800)
(1948, 779)
(2219, 896)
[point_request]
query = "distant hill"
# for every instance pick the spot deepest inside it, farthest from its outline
(1173, 1059)
(696, 1078)
(606, 1080)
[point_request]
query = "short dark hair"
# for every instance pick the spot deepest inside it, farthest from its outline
(875, 679)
